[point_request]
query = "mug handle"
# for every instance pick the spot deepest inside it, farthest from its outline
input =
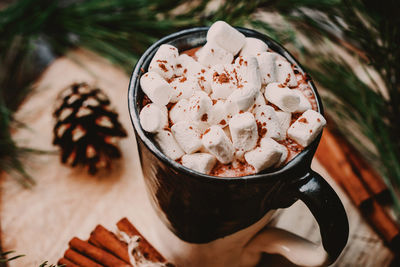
(329, 212)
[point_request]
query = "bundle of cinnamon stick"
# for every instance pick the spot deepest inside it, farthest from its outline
(104, 248)
(362, 184)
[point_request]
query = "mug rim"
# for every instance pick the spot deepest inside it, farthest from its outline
(134, 87)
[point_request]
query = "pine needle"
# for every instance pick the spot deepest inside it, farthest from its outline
(4, 259)
(121, 30)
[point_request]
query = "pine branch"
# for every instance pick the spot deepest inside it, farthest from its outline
(44, 264)
(4, 259)
(121, 30)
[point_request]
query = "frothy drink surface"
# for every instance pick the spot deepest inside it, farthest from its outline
(228, 110)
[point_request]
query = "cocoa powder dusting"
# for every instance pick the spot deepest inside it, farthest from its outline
(263, 132)
(239, 168)
(226, 170)
(287, 79)
(303, 120)
(223, 78)
(162, 66)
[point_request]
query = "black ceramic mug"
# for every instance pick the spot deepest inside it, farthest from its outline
(199, 208)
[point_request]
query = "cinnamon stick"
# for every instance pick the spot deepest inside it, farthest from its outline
(67, 263)
(361, 183)
(97, 254)
(384, 225)
(149, 252)
(107, 240)
(79, 259)
(368, 176)
(333, 158)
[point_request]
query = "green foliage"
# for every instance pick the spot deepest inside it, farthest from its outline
(370, 31)
(4, 259)
(121, 30)
(44, 264)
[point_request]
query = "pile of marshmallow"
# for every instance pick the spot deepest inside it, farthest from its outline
(221, 103)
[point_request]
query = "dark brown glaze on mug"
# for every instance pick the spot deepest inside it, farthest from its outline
(200, 208)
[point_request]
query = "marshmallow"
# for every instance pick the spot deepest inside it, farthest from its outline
(201, 126)
(243, 98)
(284, 119)
(156, 88)
(179, 112)
(217, 143)
(304, 102)
(262, 158)
(164, 61)
(248, 71)
(284, 73)
(244, 132)
(168, 145)
(268, 121)
(183, 88)
(219, 113)
(260, 100)
(187, 136)
(201, 162)
(204, 79)
(252, 47)
(226, 37)
(306, 128)
(153, 118)
(211, 54)
(199, 106)
(267, 142)
(266, 63)
(282, 97)
(223, 81)
(187, 66)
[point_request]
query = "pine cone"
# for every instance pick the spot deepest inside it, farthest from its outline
(87, 129)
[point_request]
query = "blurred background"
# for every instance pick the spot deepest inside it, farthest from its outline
(349, 48)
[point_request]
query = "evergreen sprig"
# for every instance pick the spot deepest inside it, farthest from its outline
(370, 32)
(4, 259)
(121, 30)
(35, 31)
(44, 264)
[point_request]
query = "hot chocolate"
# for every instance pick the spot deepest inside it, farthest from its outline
(232, 107)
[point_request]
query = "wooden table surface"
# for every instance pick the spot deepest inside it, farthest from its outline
(68, 202)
